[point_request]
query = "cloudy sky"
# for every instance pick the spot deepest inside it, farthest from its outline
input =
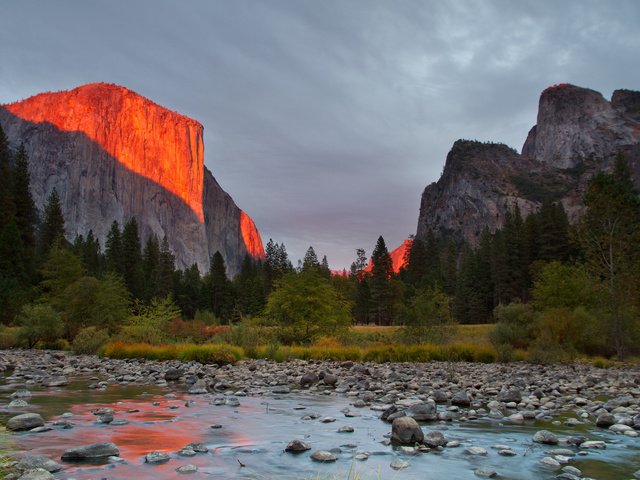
(325, 120)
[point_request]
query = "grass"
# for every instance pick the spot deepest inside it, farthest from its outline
(209, 353)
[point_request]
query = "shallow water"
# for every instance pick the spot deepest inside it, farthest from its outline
(256, 432)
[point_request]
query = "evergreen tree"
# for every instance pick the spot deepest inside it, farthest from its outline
(188, 291)
(324, 269)
(91, 256)
(113, 253)
(132, 259)
(361, 292)
(449, 268)
(433, 264)
(25, 211)
(251, 286)
(310, 261)
(151, 268)
(416, 270)
(218, 288)
(167, 268)
(52, 229)
(7, 208)
(382, 302)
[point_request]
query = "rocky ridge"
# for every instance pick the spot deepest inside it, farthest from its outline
(578, 133)
(113, 154)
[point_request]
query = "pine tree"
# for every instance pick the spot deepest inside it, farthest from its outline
(251, 286)
(310, 261)
(25, 211)
(52, 230)
(382, 302)
(7, 207)
(449, 268)
(91, 256)
(433, 263)
(167, 268)
(188, 291)
(416, 270)
(218, 288)
(113, 252)
(324, 269)
(132, 258)
(151, 268)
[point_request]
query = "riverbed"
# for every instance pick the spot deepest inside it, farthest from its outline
(245, 428)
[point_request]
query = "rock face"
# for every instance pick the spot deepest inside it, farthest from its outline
(578, 134)
(113, 154)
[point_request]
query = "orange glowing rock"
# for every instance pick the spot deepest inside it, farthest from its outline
(251, 237)
(148, 139)
(398, 257)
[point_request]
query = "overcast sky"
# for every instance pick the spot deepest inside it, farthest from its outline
(325, 119)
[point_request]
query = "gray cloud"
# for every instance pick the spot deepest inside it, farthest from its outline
(325, 120)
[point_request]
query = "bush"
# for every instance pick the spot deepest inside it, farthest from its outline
(218, 353)
(40, 323)
(211, 353)
(515, 325)
(428, 318)
(151, 322)
(89, 340)
(10, 337)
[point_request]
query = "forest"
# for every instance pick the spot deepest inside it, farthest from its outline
(551, 291)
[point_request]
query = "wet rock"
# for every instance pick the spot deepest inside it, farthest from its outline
(91, 452)
(475, 451)
(422, 413)
(198, 388)
(545, 437)
(405, 430)
(25, 421)
(156, 457)
(187, 452)
(572, 470)
(185, 469)
(58, 381)
(18, 403)
(550, 462)
(36, 474)
(308, 379)
(330, 380)
(485, 473)
(435, 439)
(399, 464)
(605, 420)
(346, 429)
(198, 447)
(21, 393)
(323, 456)
(594, 444)
(297, 446)
(439, 396)
(31, 462)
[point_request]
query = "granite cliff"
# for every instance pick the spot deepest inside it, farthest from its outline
(113, 154)
(578, 133)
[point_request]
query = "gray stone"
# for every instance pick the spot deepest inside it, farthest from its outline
(323, 456)
(461, 399)
(399, 464)
(485, 473)
(605, 420)
(545, 437)
(25, 421)
(550, 462)
(297, 446)
(36, 474)
(31, 462)
(18, 403)
(405, 430)
(435, 439)
(185, 469)
(422, 412)
(475, 451)
(156, 457)
(91, 452)
(512, 394)
(173, 374)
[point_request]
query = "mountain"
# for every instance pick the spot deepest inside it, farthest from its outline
(578, 133)
(398, 257)
(113, 154)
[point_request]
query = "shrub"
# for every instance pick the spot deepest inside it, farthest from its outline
(89, 340)
(515, 325)
(150, 323)
(428, 318)
(218, 353)
(10, 337)
(40, 323)
(210, 353)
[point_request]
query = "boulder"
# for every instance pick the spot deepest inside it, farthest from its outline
(91, 452)
(297, 446)
(545, 437)
(25, 421)
(405, 430)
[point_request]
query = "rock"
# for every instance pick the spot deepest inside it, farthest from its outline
(25, 421)
(330, 380)
(636, 474)
(187, 452)
(507, 453)
(198, 388)
(422, 412)
(619, 428)
(399, 464)
(173, 374)
(511, 395)
(21, 393)
(31, 462)
(156, 457)
(323, 456)
(435, 439)
(198, 447)
(439, 396)
(475, 451)
(327, 420)
(58, 381)
(308, 379)
(572, 470)
(594, 444)
(185, 469)
(405, 430)
(550, 462)
(18, 403)
(461, 399)
(545, 437)
(36, 474)
(297, 446)
(95, 451)
(114, 132)
(485, 473)
(346, 429)
(605, 420)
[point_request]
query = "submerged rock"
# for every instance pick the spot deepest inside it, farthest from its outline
(91, 452)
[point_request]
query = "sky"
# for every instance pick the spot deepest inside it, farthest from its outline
(325, 120)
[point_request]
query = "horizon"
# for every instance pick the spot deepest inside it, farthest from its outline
(325, 123)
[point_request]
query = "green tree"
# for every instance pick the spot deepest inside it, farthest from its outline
(310, 261)
(188, 291)
(52, 229)
(25, 211)
(609, 233)
(166, 269)
(151, 267)
(61, 269)
(132, 258)
(382, 301)
(218, 289)
(113, 253)
(149, 324)
(304, 307)
(428, 318)
(39, 323)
